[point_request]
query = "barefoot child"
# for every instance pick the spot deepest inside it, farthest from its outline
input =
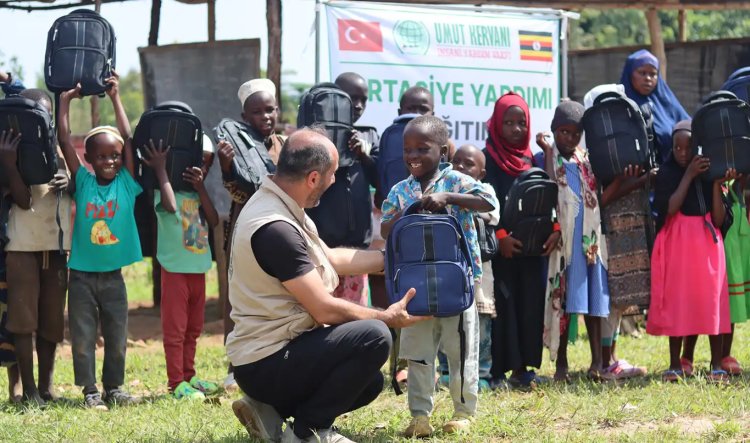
(438, 187)
(689, 294)
(105, 239)
(577, 278)
(183, 218)
(36, 267)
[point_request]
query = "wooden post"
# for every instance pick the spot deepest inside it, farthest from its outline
(273, 20)
(657, 41)
(682, 25)
(211, 20)
(153, 33)
(94, 99)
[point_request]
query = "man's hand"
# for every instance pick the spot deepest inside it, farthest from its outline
(510, 246)
(226, 156)
(396, 315)
(194, 176)
(9, 148)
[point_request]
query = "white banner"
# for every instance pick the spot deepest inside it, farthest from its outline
(467, 59)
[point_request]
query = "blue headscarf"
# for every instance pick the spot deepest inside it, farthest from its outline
(666, 109)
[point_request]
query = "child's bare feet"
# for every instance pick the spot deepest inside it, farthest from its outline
(561, 376)
(32, 398)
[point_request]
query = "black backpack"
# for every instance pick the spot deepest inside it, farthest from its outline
(721, 132)
(488, 246)
(739, 84)
(37, 151)
(330, 106)
(251, 160)
(390, 165)
(616, 136)
(344, 215)
(175, 124)
(80, 49)
(529, 210)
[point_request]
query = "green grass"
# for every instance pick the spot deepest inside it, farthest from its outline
(140, 284)
(644, 410)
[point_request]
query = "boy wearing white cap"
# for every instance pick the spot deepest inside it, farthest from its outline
(260, 111)
(105, 238)
(183, 250)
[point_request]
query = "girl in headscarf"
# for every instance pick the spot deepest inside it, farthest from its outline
(689, 294)
(577, 282)
(642, 83)
(519, 281)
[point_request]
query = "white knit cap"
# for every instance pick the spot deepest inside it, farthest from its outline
(255, 85)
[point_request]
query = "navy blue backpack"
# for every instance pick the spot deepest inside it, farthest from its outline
(429, 252)
(739, 84)
(391, 167)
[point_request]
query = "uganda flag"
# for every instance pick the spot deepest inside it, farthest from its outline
(535, 46)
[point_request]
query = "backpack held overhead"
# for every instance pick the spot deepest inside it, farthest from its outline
(721, 133)
(37, 151)
(251, 160)
(330, 106)
(80, 49)
(429, 252)
(616, 136)
(529, 211)
(177, 127)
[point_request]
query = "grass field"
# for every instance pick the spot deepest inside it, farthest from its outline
(643, 410)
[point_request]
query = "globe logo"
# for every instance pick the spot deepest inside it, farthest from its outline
(411, 37)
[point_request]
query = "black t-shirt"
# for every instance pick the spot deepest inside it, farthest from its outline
(281, 251)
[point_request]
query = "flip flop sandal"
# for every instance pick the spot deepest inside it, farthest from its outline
(672, 375)
(718, 376)
(687, 367)
(731, 365)
(621, 370)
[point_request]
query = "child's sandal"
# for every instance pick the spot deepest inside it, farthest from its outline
(672, 375)
(687, 367)
(718, 376)
(731, 365)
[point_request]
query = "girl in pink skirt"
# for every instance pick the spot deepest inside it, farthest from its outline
(689, 295)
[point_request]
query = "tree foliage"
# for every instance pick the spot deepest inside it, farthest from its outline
(625, 27)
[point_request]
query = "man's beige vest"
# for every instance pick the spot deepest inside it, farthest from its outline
(266, 316)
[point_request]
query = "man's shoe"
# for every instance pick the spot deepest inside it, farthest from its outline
(230, 385)
(419, 427)
(185, 391)
(329, 435)
(259, 419)
(460, 423)
(93, 400)
(119, 397)
(206, 387)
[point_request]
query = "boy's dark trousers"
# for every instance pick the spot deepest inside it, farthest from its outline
(321, 374)
(93, 296)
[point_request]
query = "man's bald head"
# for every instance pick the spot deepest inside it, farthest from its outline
(305, 151)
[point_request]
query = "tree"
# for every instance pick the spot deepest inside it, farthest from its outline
(625, 27)
(11, 65)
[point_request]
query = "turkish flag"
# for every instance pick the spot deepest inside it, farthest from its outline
(356, 35)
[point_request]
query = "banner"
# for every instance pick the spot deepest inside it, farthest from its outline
(465, 57)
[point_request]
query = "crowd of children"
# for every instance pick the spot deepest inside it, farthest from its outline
(596, 263)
